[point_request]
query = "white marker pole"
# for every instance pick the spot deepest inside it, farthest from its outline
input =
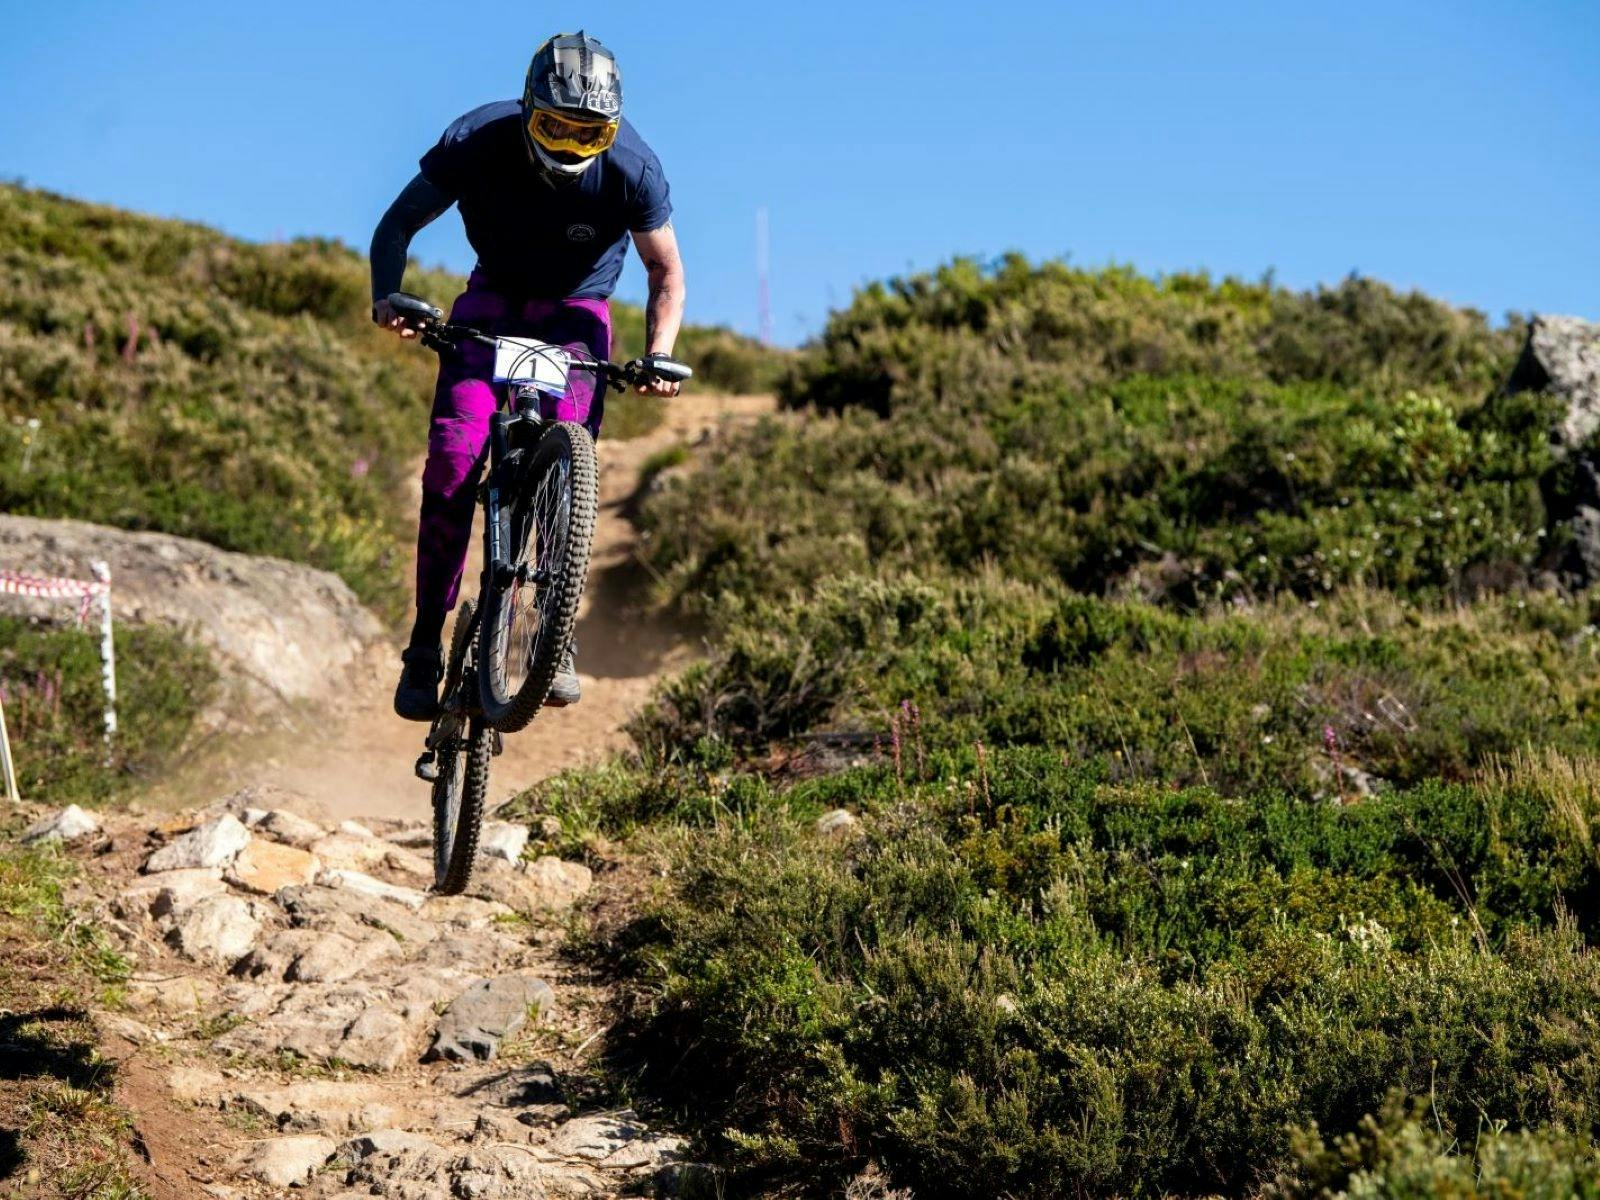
(108, 653)
(7, 767)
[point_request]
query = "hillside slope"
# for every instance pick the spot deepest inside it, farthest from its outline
(159, 375)
(1149, 748)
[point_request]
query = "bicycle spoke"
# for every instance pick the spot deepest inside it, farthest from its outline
(546, 543)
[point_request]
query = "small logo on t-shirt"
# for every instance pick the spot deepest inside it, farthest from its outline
(580, 233)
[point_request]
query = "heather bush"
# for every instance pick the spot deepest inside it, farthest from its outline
(1182, 488)
(51, 689)
(1222, 785)
(1015, 969)
(967, 333)
(1313, 699)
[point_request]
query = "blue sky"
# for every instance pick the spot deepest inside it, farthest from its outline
(1449, 146)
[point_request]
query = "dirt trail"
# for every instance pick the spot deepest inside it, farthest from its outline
(304, 1014)
(364, 767)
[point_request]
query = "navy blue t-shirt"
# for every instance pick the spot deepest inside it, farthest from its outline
(541, 241)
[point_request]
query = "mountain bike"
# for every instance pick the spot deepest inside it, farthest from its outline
(540, 496)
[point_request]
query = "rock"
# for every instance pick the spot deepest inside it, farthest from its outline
(619, 1141)
(356, 829)
(172, 999)
(264, 867)
(318, 1104)
(284, 826)
(351, 912)
(68, 825)
(465, 912)
(498, 1171)
(366, 885)
(191, 1084)
(403, 862)
(831, 824)
(136, 1033)
(286, 1161)
(413, 837)
(282, 632)
(352, 1023)
(334, 957)
(560, 884)
(219, 929)
(503, 839)
(521, 1087)
(164, 893)
(315, 956)
(344, 852)
(489, 1011)
(1562, 357)
(386, 1144)
(377, 1039)
(214, 844)
(544, 885)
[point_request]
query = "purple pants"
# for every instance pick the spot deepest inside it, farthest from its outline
(458, 433)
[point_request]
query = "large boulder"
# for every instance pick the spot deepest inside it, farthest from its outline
(1561, 358)
(281, 631)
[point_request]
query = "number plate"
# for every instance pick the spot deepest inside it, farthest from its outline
(527, 360)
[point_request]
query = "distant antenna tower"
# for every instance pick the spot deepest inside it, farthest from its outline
(763, 269)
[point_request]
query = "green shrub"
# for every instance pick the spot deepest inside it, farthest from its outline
(1395, 1157)
(1180, 488)
(50, 686)
(1292, 696)
(965, 332)
(1012, 970)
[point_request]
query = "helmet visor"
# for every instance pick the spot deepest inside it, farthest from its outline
(558, 133)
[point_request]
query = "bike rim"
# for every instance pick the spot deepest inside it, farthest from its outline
(530, 604)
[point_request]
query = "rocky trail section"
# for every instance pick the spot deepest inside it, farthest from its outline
(305, 1018)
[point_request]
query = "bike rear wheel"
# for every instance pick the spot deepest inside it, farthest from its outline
(462, 783)
(547, 530)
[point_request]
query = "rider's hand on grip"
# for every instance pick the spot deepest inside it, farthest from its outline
(404, 313)
(660, 374)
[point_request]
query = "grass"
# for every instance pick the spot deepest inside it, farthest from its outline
(50, 686)
(61, 1131)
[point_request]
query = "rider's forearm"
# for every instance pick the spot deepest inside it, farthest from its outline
(419, 203)
(663, 312)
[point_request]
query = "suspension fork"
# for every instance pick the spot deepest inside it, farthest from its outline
(498, 572)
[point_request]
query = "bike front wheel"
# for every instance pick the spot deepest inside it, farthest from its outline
(461, 784)
(546, 531)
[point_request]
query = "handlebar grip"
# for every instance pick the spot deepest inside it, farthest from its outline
(664, 367)
(408, 305)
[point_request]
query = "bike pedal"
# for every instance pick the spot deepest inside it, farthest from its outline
(496, 744)
(427, 767)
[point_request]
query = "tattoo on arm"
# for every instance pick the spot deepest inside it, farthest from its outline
(665, 302)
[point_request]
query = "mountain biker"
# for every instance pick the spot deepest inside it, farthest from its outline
(549, 188)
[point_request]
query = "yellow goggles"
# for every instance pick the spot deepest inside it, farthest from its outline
(583, 138)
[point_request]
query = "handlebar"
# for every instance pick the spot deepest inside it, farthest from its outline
(438, 335)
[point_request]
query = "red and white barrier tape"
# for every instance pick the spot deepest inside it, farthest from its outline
(15, 583)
